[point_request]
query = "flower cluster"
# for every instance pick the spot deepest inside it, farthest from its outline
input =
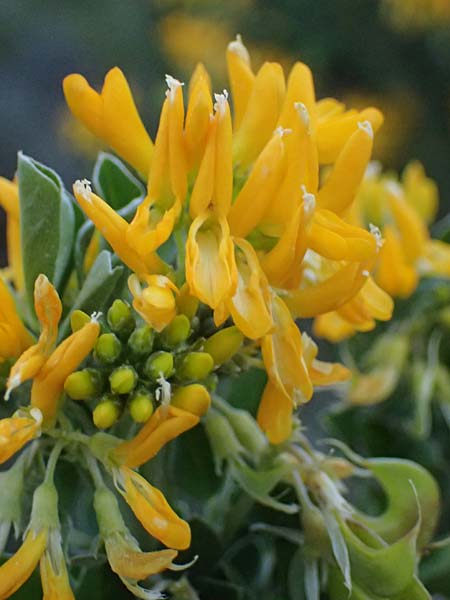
(401, 210)
(232, 225)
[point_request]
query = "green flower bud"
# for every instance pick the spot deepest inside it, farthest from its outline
(141, 340)
(107, 348)
(141, 406)
(123, 380)
(78, 319)
(176, 332)
(83, 385)
(224, 442)
(224, 344)
(107, 412)
(157, 364)
(193, 398)
(120, 318)
(195, 365)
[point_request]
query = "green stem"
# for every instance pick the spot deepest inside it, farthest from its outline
(52, 460)
(93, 469)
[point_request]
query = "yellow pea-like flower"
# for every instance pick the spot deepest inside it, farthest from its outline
(18, 430)
(241, 78)
(111, 116)
(48, 384)
(53, 570)
(153, 511)
(17, 569)
(48, 310)
(156, 302)
(164, 425)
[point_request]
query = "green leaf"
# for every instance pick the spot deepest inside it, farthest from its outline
(98, 289)
(47, 225)
(114, 182)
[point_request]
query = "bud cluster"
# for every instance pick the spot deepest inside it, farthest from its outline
(133, 368)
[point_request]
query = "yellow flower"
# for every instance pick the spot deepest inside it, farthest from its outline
(48, 384)
(166, 423)
(17, 430)
(402, 210)
(111, 116)
(260, 223)
(114, 229)
(152, 509)
(48, 310)
(9, 201)
(14, 338)
(16, 570)
(54, 576)
(155, 303)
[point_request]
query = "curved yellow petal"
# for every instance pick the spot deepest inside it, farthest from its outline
(300, 88)
(394, 273)
(154, 512)
(333, 327)
(131, 563)
(16, 570)
(241, 78)
(250, 304)
(334, 130)
(275, 413)
(18, 337)
(111, 116)
(198, 114)
(48, 385)
(16, 431)
(156, 302)
(9, 201)
(259, 189)
(55, 583)
(210, 264)
(339, 190)
(412, 230)
(165, 424)
(282, 353)
(261, 115)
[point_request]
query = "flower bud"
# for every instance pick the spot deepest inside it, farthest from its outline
(107, 348)
(123, 380)
(247, 431)
(107, 412)
(224, 344)
(195, 365)
(141, 406)
(176, 332)
(83, 385)
(120, 318)
(193, 398)
(141, 340)
(78, 319)
(157, 364)
(224, 442)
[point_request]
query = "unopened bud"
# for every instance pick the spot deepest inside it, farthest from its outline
(224, 344)
(78, 320)
(107, 348)
(247, 431)
(223, 440)
(193, 398)
(141, 406)
(141, 340)
(120, 318)
(195, 365)
(176, 332)
(187, 304)
(107, 412)
(123, 380)
(83, 385)
(157, 364)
